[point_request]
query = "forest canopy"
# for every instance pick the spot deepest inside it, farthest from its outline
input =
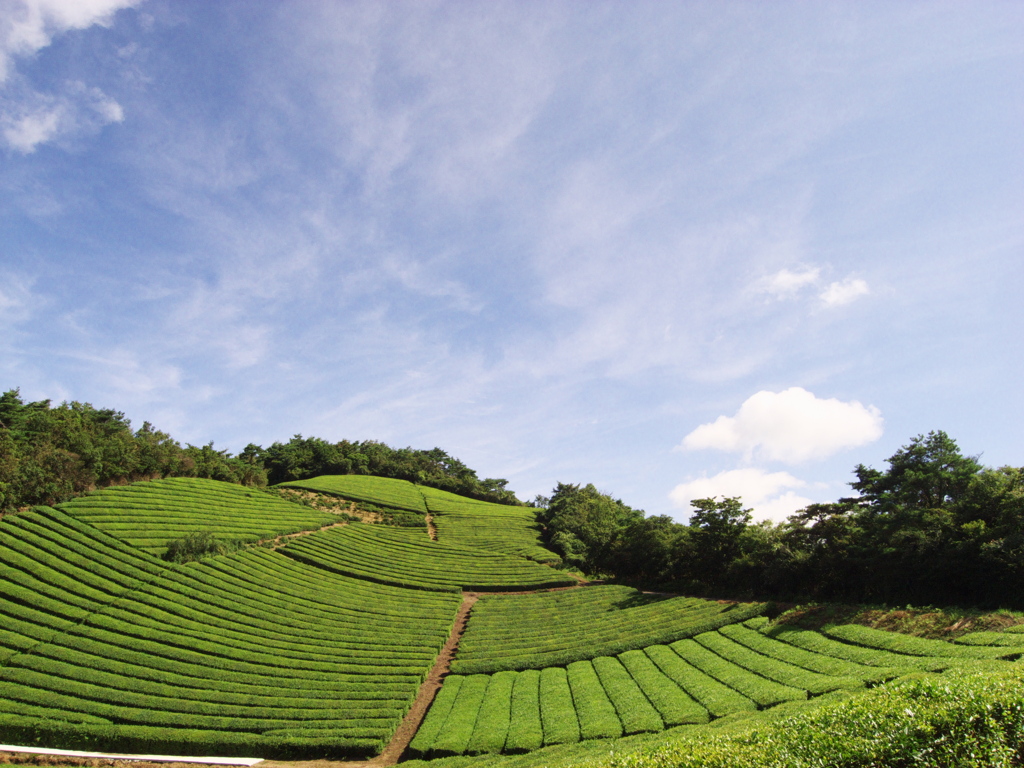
(933, 527)
(49, 454)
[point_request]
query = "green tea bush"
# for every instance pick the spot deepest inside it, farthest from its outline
(557, 628)
(957, 720)
(492, 724)
(438, 713)
(454, 738)
(773, 669)
(717, 698)
(525, 732)
(910, 645)
(557, 711)
(635, 711)
(674, 705)
(596, 713)
(148, 514)
(763, 692)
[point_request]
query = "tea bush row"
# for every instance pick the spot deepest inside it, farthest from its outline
(738, 669)
(250, 653)
(409, 558)
(148, 515)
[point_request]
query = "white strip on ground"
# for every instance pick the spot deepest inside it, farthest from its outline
(160, 758)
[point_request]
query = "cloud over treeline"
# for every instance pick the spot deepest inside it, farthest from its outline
(792, 426)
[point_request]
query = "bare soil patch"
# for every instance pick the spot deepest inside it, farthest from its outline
(280, 541)
(330, 504)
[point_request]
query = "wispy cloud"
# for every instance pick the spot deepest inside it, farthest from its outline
(27, 26)
(841, 293)
(17, 300)
(789, 284)
(30, 118)
(786, 283)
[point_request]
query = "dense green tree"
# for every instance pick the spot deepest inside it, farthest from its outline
(928, 473)
(304, 457)
(594, 520)
(647, 550)
(715, 530)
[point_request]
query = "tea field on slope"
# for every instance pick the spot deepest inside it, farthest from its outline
(317, 645)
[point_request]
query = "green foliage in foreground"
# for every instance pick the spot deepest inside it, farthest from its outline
(956, 720)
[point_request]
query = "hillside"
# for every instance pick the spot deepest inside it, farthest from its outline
(312, 636)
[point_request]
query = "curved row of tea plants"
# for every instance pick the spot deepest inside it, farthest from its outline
(407, 557)
(509, 534)
(962, 718)
(385, 491)
(459, 520)
(248, 654)
(739, 668)
(511, 632)
(444, 503)
(148, 515)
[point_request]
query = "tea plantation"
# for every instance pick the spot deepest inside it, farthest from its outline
(310, 637)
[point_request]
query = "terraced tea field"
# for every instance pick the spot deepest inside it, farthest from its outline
(150, 514)
(251, 653)
(387, 492)
(497, 527)
(408, 558)
(741, 667)
(307, 650)
(536, 631)
(322, 645)
(510, 530)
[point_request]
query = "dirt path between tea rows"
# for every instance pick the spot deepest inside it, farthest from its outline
(411, 723)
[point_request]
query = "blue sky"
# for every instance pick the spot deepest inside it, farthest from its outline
(672, 249)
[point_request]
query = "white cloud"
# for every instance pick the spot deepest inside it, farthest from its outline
(840, 293)
(27, 131)
(769, 494)
(28, 117)
(27, 26)
(784, 283)
(792, 426)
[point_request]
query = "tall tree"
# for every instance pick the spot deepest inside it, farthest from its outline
(928, 473)
(716, 527)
